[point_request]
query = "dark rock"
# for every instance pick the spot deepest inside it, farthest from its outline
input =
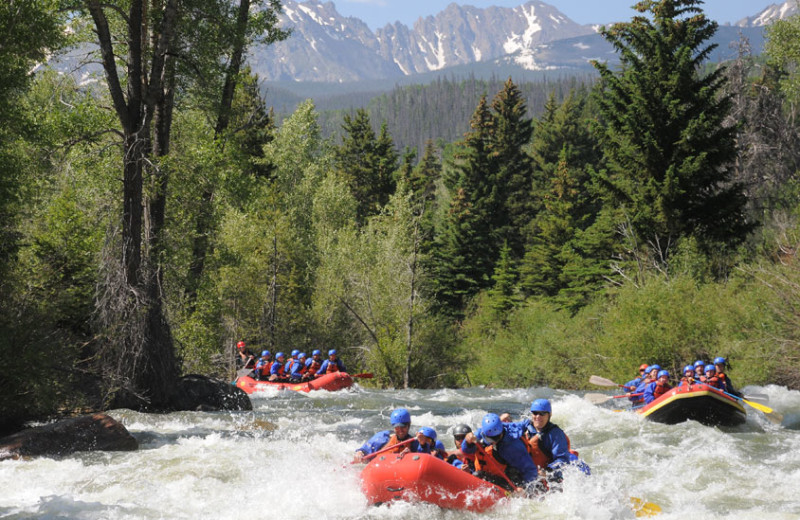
(97, 432)
(201, 393)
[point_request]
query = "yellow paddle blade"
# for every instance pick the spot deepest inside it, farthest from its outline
(759, 406)
(642, 508)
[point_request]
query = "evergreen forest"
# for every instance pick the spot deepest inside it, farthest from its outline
(157, 213)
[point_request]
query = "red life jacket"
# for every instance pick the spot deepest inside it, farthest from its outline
(264, 370)
(688, 380)
(539, 457)
(313, 367)
(392, 441)
(661, 389)
(465, 458)
(712, 381)
(487, 462)
(332, 367)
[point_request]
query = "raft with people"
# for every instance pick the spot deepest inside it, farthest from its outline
(700, 402)
(331, 382)
(420, 477)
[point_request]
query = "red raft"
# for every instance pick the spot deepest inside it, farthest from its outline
(331, 382)
(700, 402)
(419, 477)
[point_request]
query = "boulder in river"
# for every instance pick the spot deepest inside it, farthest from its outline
(201, 393)
(96, 432)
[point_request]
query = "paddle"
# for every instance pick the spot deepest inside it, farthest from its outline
(243, 372)
(602, 381)
(602, 398)
(390, 448)
(364, 375)
(642, 508)
(772, 415)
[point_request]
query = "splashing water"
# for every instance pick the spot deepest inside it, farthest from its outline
(290, 459)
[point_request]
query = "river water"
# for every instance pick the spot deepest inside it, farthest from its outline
(289, 459)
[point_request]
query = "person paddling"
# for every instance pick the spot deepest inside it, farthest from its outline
(332, 364)
(246, 359)
(688, 376)
(720, 365)
(548, 445)
(278, 370)
(400, 420)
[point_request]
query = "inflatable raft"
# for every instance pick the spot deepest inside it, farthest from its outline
(418, 477)
(331, 382)
(700, 402)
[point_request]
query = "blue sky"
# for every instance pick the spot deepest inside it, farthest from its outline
(377, 13)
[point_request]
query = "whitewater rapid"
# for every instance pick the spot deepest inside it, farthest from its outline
(290, 459)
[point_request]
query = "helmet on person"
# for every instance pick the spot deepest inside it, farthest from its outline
(316, 352)
(295, 352)
(440, 446)
(400, 416)
(280, 355)
(688, 368)
(461, 429)
(663, 373)
(332, 352)
(301, 355)
(719, 360)
(264, 353)
(654, 367)
(428, 432)
(491, 426)
(710, 368)
(240, 345)
(541, 405)
(699, 363)
(643, 366)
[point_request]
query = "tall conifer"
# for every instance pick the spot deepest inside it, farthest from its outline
(667, 148)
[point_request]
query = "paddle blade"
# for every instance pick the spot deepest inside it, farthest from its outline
(597, 398)
(773, 416)
(602, 381)
(365, 375)
(642, 508)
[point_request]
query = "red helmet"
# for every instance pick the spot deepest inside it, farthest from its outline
(240, 345)
(643, 366)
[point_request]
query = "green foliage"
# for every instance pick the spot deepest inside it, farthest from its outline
(668, 149)
(783, 52)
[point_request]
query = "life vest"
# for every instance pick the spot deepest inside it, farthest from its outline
(465, 458)
(313, 367)
(688, 380)
(540, 458)
(486, 461)
(661, 389)
(264, 367)
(712, 381)
(332, 367)
(392, 441)
(723, 380)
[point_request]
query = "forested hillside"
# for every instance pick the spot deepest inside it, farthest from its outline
(155, 217)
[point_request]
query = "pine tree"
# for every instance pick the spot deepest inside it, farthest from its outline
(367, 162)
(511, 167)
(465, 254)
(668, 150)
(502, 295)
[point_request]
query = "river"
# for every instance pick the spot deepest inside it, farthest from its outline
(289, 459)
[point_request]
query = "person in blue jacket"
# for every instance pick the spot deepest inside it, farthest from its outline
(277, 371)
(508, 454)
(332, 364)
(400, 420)
(651, 374)
(550, 440)
(298, 368)
(631, 385)
(657, 388)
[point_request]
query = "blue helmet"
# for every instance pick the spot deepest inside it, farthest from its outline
(301, 355)
(440, 446)
(541, 405)
(400, 416)
(719, 360)
(654, 367)
(332, 352)
(265, 353)
(688, 368)
(663, 373)
(428, 432)
(316, 352)
(491, 425)
(295, 352)
(280, 355)
(710, 368)
(699, 363)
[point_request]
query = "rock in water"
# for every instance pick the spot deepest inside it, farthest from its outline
(86, 433)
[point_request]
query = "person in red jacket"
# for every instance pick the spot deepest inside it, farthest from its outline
(711, 378)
